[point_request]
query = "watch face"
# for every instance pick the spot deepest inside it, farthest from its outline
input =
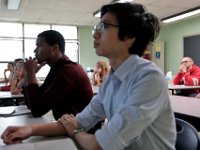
(77, 131)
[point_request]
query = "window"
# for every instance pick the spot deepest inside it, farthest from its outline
(32, 30)
(10, 29)
(10, 49)
(71, 50)
(69, 32)
(71, 43)
(18, 40)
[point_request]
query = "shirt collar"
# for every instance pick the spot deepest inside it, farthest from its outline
(60, 61)
(124, 68)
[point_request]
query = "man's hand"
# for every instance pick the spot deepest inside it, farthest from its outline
(31, 65)
(69, 122)
(31, 68)
(15, 134)
(40, 66)
(183, 68)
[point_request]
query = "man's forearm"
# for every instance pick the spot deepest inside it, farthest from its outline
(82, 139)
(50, 129)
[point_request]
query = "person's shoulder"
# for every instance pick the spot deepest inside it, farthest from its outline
(72, 65)
(71, 68)
(147, 66)
(195, 68)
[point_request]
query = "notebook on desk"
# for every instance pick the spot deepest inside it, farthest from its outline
(7, 110)
(14, 111)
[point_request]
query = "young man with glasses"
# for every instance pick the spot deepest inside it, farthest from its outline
(133, 97)
(189, 75)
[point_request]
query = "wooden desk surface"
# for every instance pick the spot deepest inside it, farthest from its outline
(186, 105)
(34, 143)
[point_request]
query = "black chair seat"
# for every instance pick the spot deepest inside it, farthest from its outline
(187, 136)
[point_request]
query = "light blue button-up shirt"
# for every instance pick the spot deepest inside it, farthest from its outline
(136, 103)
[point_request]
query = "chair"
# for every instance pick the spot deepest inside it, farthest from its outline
(187, 136)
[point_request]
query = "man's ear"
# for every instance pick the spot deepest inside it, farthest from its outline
(129, 41)
(56, 46)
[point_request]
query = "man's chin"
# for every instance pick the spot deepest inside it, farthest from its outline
(98, 52)
(39, 62)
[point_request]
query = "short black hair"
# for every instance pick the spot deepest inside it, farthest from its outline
(12, 63)
(134, 22)
(54, 37)
(17, 60)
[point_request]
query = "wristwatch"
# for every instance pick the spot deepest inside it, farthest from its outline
(77, 131)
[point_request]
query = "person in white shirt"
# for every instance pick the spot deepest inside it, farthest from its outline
(8, 73)
(134, 97)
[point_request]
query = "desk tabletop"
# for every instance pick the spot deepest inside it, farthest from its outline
(7, 95)
(50, 144)
(37, 142)
(19, 120)
(10, 111)
(186, 105)
(181, 87)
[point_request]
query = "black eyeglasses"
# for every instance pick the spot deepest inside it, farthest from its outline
(103, 25)
(185, 61)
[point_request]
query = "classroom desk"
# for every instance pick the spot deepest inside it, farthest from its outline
(173, 88)
(186, 105)
(6, 95)
(187, 108)
(37, 142)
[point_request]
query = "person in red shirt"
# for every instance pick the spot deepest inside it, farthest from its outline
(66, 89)
(189, 75)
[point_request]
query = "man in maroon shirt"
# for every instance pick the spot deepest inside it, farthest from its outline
(188, 74)
(66, 88)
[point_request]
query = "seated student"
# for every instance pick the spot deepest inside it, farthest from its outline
(66, 89)
(7, 77)
(188, 74)
(17, 81)
(134, 97)
(8, 72)
(12, 87)
(17, 60)
(102, 69)
(8, 87)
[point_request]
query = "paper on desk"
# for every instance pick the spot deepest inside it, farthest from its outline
(59, 144)
(6, 111)
(17, 110)
(22, 109)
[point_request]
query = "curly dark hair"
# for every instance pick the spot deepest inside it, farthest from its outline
(134, 22)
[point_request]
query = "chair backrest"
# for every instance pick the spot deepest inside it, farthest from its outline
(187, 136)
